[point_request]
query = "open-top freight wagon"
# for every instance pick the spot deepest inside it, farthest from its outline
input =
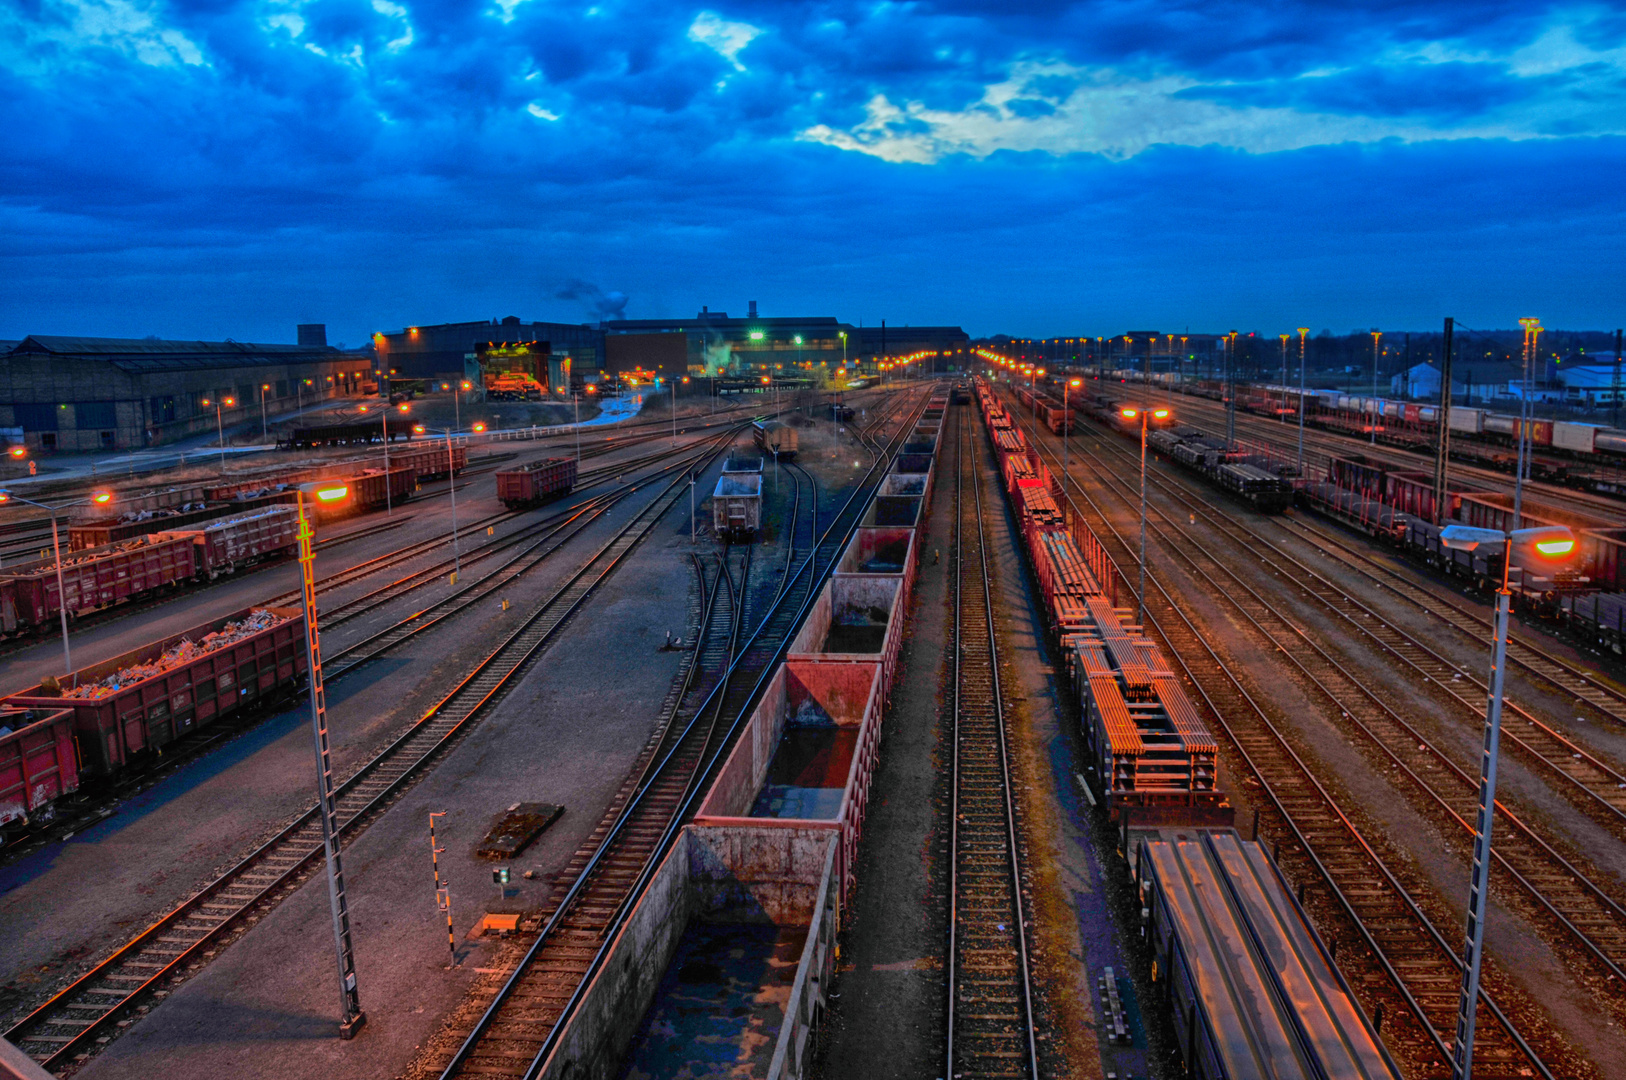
(38, 765)
(133, 569)
(536, 482)
(131, 705)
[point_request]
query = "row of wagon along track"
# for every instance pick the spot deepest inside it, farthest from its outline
(519, 1029)
(468, 532)
(1321, 445)
(73, 1023)
(540, 540)
(990, 1022)
(1400, 942)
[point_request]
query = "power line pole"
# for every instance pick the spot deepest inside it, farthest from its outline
(1614, 416)
(1442, 454)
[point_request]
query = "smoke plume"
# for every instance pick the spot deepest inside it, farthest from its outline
(603, 306)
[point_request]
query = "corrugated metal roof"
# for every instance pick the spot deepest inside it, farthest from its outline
(146, 355)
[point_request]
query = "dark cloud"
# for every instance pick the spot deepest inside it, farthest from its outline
(393, 183)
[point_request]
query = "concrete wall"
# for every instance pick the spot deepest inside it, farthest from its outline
(729, 874)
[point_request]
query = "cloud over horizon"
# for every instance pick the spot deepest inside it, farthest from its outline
(232, 166)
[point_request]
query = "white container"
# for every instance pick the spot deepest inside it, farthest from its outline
(1469, 420)
(1581, 438)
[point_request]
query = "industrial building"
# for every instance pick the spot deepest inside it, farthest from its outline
(475, 350)
(90, 394)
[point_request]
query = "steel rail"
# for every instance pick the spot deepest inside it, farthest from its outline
(987, 935)
(1585, 901)
(1375, 917)
(288, 854)
(693, 785)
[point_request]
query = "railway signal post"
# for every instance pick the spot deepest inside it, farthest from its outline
(1555, 544)
(351, 1018)
(99, 498)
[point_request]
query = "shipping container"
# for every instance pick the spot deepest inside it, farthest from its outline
(1581, 438)
(93, 578)
(536, 482)
(144, 701)
(38, 764)
(225, 546)
(1469, 421)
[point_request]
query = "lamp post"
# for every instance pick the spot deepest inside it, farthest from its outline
(1145, 416)
(1557, 544)
(1376, 336)
(1067, 425)
(1284, 338)
(351, 1016)
(451, 485)
(220, 425)
(384, 424)
(1302, 331)
(98, 498)
(1532, 333)
(264, 431)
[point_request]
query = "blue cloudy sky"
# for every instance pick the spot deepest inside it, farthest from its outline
(212, 168)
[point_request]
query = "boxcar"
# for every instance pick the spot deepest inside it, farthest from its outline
(38, 764)
(1250, 987)
(149, 696)
(536, 482)
(775, 438)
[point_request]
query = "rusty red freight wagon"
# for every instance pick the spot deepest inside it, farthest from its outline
(856, 619)
(806, 757)
(367, 491)
(227, 545)
(93, 578)
(536, 482)
(97, 532)
(149, 696)
(38, 764)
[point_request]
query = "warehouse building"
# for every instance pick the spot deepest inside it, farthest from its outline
(471, 350)
(90, 394)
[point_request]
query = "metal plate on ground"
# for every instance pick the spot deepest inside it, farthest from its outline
(514, 830)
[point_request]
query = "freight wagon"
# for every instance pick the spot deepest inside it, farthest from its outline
(133, 569)
(131, 705)
(773, 437)
(1238, 967)
(97, 532)
(38, 765)
(736, 505)
(536, 482)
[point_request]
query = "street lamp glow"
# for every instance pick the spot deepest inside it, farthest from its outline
(18, 451)
(102, 498)
(756, 335)
(330, 494)
(479, 427)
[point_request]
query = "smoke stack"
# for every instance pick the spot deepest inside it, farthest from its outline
(753, 310)
(313, 335)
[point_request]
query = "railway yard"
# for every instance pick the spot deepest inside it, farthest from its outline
(758, 743)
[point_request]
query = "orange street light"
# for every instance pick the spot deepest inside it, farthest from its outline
(102, 498)
(479, 428)
(18, 451)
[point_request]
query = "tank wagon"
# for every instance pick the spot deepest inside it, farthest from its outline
(119, 712)
(1250, 986)
(536, 482)
(773, 437)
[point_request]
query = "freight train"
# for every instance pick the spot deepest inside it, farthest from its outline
(773, 437)
(1572, 453)
(1053, 414)
(101, 721)
(1231, 984)
(1153, 757)
(135, 569)
(1254, 477)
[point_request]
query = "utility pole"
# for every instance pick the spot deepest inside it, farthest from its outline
(1377, 335)
(1284, 338)
(1442, 454)
(1230, 390)
(1614, 416)
(1532, 334)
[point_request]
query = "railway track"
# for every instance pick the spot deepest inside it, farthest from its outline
(990, 997)
(1399, 959)
(72, 1023)
(520, 1028)
(1594, 785)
